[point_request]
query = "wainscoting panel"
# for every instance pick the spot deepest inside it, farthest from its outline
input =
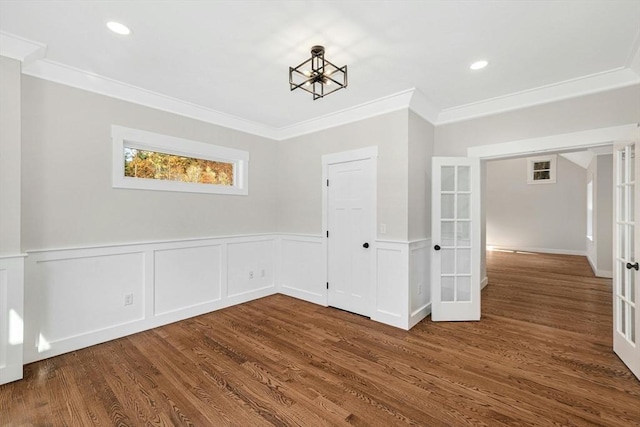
(392, 284)
(419, 280)
(302, 272)
(11, 317)
(250, 266)
(79, 297)
(187, 277)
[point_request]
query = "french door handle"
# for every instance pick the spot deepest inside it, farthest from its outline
(630, 266)
(365, 245)
(436, 247)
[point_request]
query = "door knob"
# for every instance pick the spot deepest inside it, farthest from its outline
(366, 245)
(436, 247)
(630, 266)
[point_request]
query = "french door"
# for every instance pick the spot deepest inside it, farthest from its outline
(626, 242)
(351, 187)
(455, 230)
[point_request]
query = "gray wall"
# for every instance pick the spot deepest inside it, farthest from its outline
(421, 138)
(611, 108)
(300, 173)
(67, 198)
(600, 250)
(536, 216)
(9, 156)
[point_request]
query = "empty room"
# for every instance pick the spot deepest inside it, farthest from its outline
(319, 213)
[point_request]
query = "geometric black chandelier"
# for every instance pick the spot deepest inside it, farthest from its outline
(318, 76)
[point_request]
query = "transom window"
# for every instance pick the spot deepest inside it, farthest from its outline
(145, 160)
(541, 170)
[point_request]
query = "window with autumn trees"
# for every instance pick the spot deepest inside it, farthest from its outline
(145, 160)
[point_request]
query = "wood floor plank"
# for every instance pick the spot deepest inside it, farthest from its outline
(541, 355)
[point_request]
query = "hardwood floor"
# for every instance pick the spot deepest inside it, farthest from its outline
(541, 355)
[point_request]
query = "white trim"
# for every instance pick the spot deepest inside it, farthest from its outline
(81, 79)
(538, 250)
(135, 138)
(484, 282)
(21, 49)
(594, 83)
(561, 142)
(607, 274)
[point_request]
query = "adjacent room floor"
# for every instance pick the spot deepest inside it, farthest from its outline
(541, 355)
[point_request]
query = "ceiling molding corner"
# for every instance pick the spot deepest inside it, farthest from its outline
(377, 107)
(594, 83)
(21, 49)
(422, 106)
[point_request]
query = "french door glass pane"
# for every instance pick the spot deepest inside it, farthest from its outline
(464, 178)
(464, 261)
(622, 244)
(622, 167)
(632, 163)
(631, 202)
(448, 176)
(447, 207)
(623, 279)
(632, 249)
(447, 231)
(464, 288)
(464, 206)
(463, 235)
(632, 325)
(448, 288)
(623, 318)
(632, 286)
(448, 261)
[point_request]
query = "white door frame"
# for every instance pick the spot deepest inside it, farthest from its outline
(534, 146)
(344, 157)
(554, 143)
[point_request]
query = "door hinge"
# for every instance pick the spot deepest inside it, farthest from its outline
(327, 183)
(327, 233)
(327, 285)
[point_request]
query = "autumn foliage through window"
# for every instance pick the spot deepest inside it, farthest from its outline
(171, 167)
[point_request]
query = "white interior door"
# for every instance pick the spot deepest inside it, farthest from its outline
(626, 242)
(455, 230)
(350, 234)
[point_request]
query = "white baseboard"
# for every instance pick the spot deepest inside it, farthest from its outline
(607, 274)
(539, 250)
(484, 283)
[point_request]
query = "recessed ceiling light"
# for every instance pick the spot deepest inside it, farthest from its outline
(118, 28)
(479, 65)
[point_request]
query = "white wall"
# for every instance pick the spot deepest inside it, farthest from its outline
(536, 217)
(300, 173)
(9, 156)
(67, 198)
(600, 249)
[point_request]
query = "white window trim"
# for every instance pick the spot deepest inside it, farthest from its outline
(552, 169)
(134, 138)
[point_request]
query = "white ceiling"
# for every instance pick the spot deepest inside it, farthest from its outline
(232, 57)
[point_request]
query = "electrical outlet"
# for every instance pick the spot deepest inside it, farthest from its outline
(262, 273)
(251, 275)
(420, 289)
(128, 299)
(383, 228)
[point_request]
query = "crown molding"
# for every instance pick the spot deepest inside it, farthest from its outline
(384, 105)
(594, 83)
(32, 55)
(70, 76)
